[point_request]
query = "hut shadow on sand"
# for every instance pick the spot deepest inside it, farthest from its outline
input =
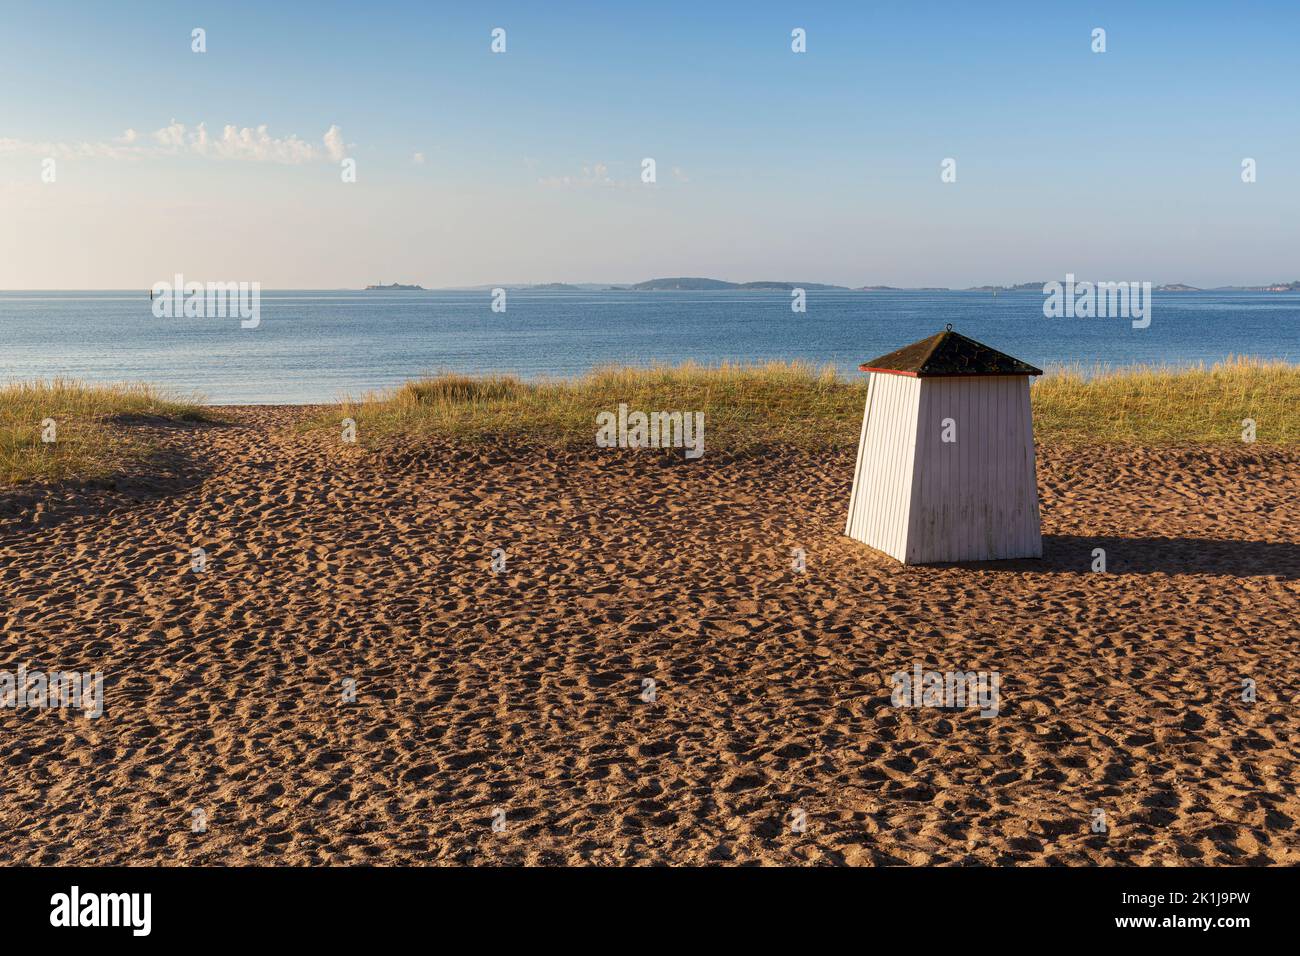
(1073, 554)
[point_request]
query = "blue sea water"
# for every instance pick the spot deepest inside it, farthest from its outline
(315, 346)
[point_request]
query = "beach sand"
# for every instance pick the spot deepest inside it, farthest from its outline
(522, 690)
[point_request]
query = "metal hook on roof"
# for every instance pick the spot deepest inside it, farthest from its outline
(949, 326)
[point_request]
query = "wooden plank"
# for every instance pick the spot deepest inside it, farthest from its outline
(855, 499)
(880, 500)
(906, 466)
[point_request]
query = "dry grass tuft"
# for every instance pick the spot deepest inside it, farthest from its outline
(1169, 406)
(92, 440)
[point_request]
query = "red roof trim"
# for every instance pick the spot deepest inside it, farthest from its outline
(894, 371)
(887, 371)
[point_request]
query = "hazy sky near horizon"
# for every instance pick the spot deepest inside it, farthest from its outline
(481, 168)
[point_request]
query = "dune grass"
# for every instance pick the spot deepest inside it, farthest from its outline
(1156, 405)
(90, 428)
(796, 404)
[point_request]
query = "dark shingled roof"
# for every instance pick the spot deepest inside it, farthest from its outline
(948, 353)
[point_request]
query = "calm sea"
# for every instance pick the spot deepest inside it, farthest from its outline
(316, 346)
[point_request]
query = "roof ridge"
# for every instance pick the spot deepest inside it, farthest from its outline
(948, 353)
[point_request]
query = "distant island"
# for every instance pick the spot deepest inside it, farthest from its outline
(395, 287)
(705, 285)
(1273, 288)
(1021, 287)
(894, 288)
(1168, 287)
(700, 284)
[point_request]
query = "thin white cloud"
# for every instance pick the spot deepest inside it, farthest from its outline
(67, 150)
(248, 144)
(593, 174)
(172, 136)
(334, 145)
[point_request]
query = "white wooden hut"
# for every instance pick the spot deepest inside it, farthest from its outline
(946, 459)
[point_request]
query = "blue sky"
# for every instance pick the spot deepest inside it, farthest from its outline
(821, 166)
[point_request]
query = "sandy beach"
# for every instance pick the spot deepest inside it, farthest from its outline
(524, 691)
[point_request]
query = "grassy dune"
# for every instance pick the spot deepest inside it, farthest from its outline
(780, 403)
(91, 440)
(745, 407)
(1153, 405)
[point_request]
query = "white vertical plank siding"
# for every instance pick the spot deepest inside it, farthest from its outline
(1033, 523)
(854, 497)
(922, 500)
(882, 485)
(906, 394)
(923, 480)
